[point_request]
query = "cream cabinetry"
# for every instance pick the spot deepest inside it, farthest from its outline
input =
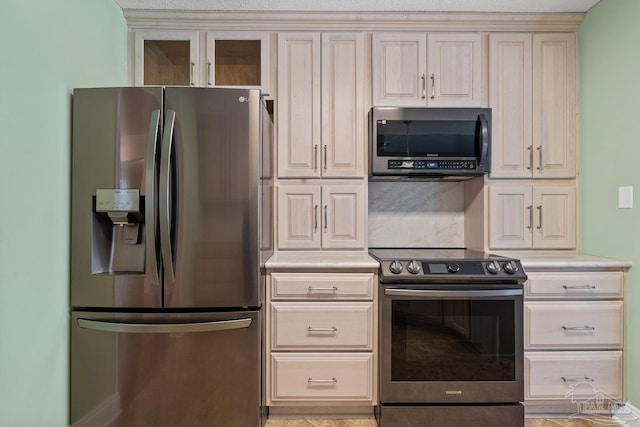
(532, 216)
(533, 96)
(230, 59)
(238, 59)
(435, 69)
(321, 117)
(321, 338)
(330, 215)
(166, 58)
(574, 335)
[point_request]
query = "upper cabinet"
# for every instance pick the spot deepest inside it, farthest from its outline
(238, 59)
(321, 117)
(232, 59)
(435, 69)
(532, 92)
(166, 58)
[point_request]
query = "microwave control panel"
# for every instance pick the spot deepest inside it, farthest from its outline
(432, 164)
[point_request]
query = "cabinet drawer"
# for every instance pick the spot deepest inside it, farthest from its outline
(563, 375)
(596, 324)
(326, 377)
(328, 286)
(321, 326)
(596, 284)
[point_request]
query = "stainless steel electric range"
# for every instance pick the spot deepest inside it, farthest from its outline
(451, 338)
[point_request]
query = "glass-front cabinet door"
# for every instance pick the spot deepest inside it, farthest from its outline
(166, 58)
(238, 59)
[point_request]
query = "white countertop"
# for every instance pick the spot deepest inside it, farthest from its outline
(362, 260)
(321, 259)
(550, 259)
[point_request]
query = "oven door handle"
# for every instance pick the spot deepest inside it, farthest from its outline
(437, 294)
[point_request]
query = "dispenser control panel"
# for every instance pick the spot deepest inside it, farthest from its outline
(118, 200)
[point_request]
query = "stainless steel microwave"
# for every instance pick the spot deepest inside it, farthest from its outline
(430, 143)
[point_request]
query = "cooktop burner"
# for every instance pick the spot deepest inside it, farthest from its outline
(449, 265)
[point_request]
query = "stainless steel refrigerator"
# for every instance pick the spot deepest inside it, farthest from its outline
(170, 227)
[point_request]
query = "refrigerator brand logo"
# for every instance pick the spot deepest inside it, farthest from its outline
(453, 392)
(243, 99)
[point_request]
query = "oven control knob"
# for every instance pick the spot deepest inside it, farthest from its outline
(493, 267)
(413, 267)
(510, 267)
(453, 267)
(395, 267)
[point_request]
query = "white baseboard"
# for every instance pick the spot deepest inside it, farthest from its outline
(628, 415)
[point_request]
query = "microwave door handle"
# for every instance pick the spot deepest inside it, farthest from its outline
(164, 199)
(484, 154)
(149, 200)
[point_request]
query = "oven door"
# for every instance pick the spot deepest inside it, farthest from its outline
(451, 346)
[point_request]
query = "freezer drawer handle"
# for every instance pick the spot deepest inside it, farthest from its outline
(163, 328)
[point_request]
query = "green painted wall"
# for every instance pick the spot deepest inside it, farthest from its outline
(47, 49)
(610, 148)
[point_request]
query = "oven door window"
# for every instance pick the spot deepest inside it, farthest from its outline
(453, 340)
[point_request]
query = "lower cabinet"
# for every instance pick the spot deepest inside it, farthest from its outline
(574, 339)
(321, 339)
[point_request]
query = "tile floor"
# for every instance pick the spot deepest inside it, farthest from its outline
(529, 422)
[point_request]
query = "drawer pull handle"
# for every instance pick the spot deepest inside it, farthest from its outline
(331, 289)
(577, 380)
(579, 328)
(331, 329)
(579, 287)
(332, 380)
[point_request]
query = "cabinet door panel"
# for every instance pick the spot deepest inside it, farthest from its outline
(238, 59)
(298, 104)
(454, 70)
(510, 101)
(555, 209)
(510, 222)
(399, 69)
(343, 105)
(166, 58)
(554, 105)
(298, 217)
(343, 216)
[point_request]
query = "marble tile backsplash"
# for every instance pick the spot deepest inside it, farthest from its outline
(416, 214)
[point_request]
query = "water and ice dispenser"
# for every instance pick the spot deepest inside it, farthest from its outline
(118, 232)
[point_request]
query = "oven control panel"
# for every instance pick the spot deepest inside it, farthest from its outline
(447, 270)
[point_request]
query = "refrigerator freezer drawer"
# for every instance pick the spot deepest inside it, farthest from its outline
(133, 369)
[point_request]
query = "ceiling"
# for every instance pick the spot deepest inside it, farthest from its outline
(538, 6)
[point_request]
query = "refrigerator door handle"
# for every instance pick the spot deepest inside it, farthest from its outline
(165, 196)
(163, 328)
(149, 201)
